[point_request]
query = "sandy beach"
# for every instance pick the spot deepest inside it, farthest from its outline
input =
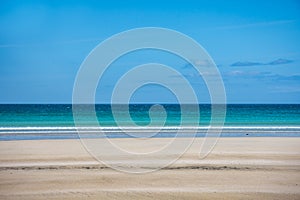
(237, 168)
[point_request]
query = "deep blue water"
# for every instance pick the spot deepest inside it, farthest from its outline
(55, 121)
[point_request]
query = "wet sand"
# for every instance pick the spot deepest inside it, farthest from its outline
(237, 168)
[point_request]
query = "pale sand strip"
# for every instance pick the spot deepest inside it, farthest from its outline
(238, 168)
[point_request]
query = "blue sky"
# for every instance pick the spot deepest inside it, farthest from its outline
(255, 44)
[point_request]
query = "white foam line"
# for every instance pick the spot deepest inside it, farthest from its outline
(149, 128)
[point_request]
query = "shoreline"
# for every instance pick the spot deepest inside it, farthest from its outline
(30, 137)
(71, 132)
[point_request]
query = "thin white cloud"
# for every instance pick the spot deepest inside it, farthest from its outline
(10, 45)
(258, 24)
(285, 89)
(52, 43)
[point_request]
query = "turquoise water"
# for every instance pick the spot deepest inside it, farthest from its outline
(35, 121)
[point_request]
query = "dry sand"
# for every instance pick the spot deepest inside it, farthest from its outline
(237, 168)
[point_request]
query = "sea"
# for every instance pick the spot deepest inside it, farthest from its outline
(56, 121)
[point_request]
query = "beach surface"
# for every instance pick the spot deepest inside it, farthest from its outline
(237, 168)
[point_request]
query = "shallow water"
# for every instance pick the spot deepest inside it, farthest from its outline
(56, 121)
